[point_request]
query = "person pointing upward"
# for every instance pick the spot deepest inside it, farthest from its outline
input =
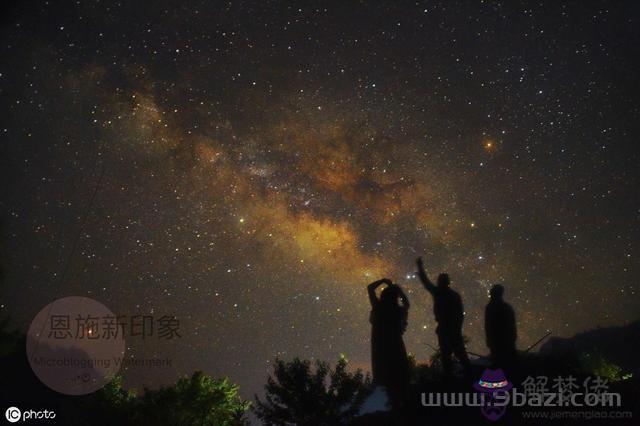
(449, 314)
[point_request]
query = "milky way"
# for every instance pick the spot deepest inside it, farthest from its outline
(262, 162)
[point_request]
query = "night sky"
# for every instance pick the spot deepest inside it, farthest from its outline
(264, 161)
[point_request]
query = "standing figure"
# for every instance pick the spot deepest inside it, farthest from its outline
(390, 364)
(449, 313)
(500, 328)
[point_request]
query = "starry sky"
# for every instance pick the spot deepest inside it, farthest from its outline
(257, 164)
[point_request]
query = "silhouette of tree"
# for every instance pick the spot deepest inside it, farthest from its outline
(112, 403)
(195, 400)
(297, 394)
(596, 364)
(10, 339)
(198, 400)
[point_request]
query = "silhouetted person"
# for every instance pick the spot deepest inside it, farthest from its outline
(500, 328)
(389, 361)
(449, 313)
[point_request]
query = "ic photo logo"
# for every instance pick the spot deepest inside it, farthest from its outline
(14, 415)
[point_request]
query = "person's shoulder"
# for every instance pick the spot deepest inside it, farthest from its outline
(454, 293)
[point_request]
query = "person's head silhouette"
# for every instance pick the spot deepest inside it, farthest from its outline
(443, 280)
(496, 292)
(389, 295)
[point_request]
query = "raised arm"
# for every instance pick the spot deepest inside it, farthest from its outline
(371, 289)
(426, 282)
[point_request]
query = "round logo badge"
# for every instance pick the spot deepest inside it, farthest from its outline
(75, 345)
(13, 414)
